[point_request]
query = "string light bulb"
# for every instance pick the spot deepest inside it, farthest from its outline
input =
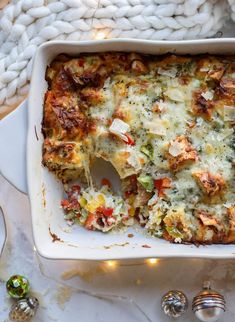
(152, 261)
(111, 264)
(99, 35)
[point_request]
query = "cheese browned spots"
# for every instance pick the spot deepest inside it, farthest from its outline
(211, 184)
(180, 153)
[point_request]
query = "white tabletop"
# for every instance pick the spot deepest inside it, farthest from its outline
(101, 291)
(131, 287)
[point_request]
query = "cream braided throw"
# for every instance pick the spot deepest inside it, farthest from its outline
(25, 24)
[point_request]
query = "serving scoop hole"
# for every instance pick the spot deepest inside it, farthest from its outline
(102, 169)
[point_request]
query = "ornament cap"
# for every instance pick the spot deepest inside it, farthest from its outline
(207, 290)
(206, 285)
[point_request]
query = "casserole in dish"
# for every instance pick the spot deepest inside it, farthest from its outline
(164, 122)
(53, 238)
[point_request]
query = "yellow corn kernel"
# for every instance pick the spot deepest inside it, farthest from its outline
(95, 203)
(131, 199)
(82, 201)
(132, 211)
(91, 206)
(101, 199)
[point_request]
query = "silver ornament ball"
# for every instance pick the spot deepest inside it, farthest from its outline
(174, 303)
(24, 310)
(208, 305)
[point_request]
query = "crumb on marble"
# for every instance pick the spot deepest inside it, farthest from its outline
(63, 295)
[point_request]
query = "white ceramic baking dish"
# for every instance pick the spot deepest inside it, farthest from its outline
(52, 237)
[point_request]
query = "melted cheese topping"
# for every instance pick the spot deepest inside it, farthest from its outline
(166, 122)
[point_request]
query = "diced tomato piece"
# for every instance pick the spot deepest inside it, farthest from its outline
(74, 204)
(89, 221)
(105, 211)
(70, 204)
(127, 194)
(166, 182)
(81, 62)
(64, 203)
(76, 188)
(129, 140)
(106, 182)
(108, 212)
(161, 184)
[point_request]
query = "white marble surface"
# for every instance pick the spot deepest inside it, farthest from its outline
(90, 295)
(126, 291)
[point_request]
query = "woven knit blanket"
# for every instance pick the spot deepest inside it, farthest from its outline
(25, 24)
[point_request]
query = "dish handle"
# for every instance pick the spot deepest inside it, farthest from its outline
(13, 134)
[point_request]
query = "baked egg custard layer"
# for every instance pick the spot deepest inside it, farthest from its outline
(165, 123)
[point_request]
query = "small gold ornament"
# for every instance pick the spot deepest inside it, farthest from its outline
(208, 305)
(174, 303)
(24, 310)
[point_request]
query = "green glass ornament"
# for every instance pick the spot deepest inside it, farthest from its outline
(17, 286)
